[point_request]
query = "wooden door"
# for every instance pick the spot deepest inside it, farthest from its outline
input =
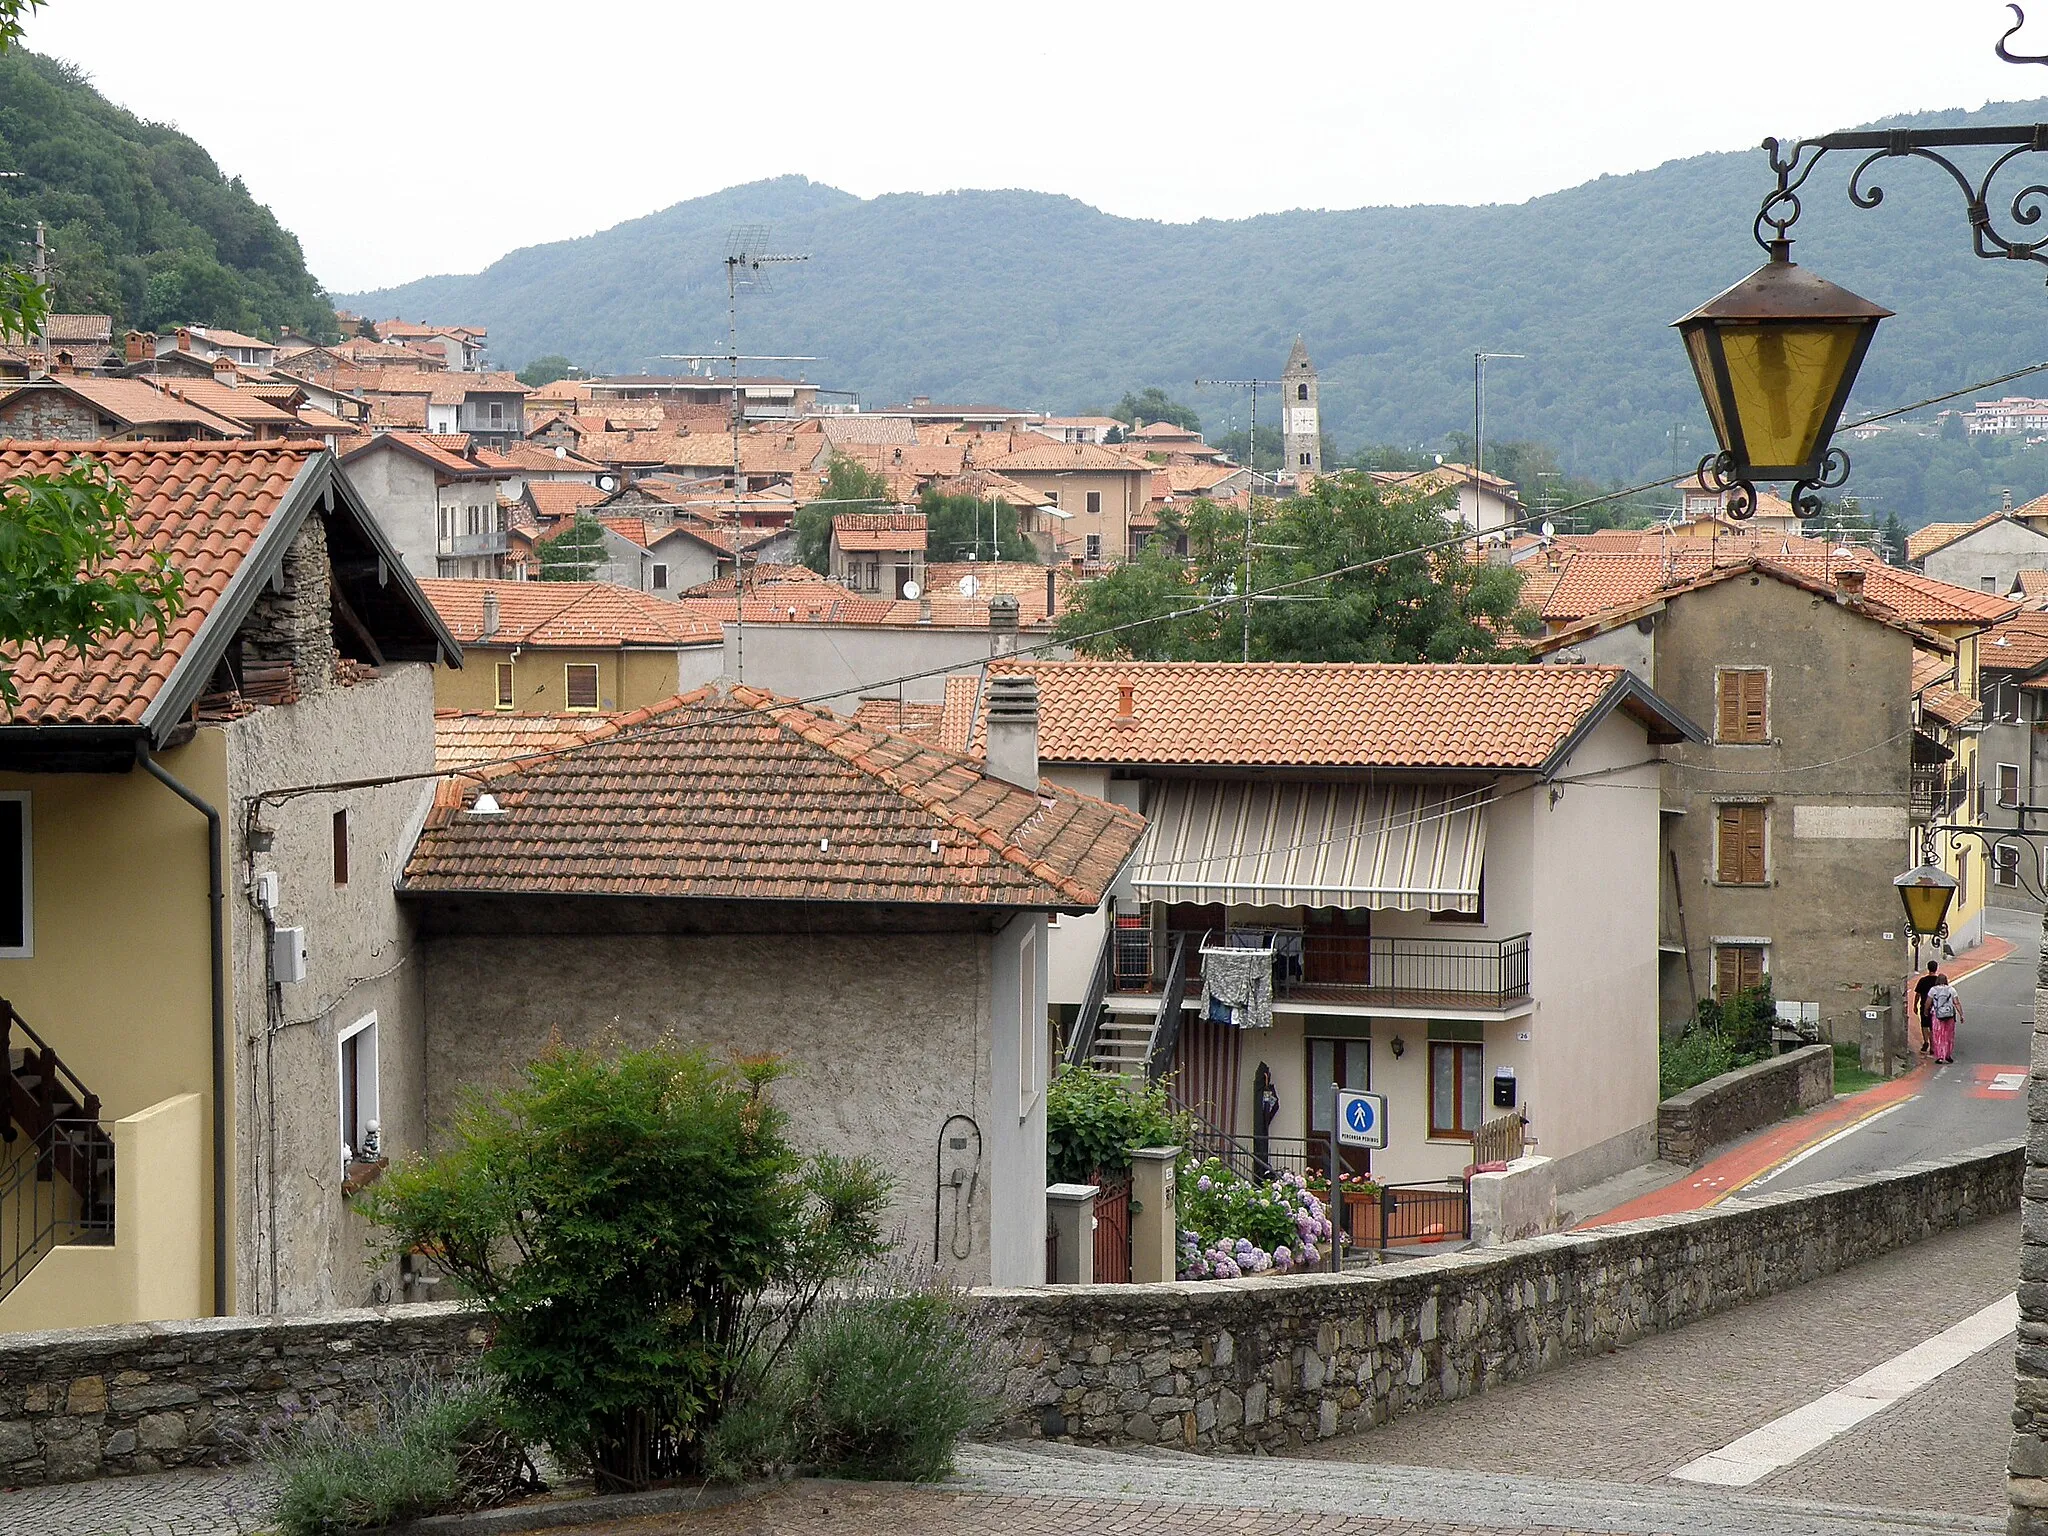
(1335, 947)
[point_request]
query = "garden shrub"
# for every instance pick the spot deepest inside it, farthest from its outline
(425, 1446)
(881, 1382)
(1231, 1226)
(1721, 1036)
(621, 1220)
(1094, 1120)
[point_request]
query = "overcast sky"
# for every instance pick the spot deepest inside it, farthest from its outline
(399, 138)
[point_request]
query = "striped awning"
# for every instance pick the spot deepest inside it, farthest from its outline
(1400, 847)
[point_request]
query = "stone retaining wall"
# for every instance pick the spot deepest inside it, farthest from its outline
(1273, 1362)
(97, 1402)
(1693, 1123)
(1277, 1362)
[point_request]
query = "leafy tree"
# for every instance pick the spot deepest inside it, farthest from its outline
(69, 572)
(1095, 1120)
(623, 1222)
(1238, 444)
(1894, 539)
(848, 486)
(543, 371)
(576, 553)
(1408, 603)
(957, 527)
(1152, 405)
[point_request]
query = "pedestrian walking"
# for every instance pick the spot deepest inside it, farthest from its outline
(1945, 1010)
(1926, 984)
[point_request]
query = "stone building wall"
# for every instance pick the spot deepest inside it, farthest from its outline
(44, 415)
(296, 625)
(2027, 1462)
(1693, 1123)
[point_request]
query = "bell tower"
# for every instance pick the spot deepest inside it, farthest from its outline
(1301, 424)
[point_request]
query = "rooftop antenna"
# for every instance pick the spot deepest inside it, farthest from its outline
(746, 253)
(1252, 464)
(1479, 362)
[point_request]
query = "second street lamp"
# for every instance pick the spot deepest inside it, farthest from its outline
(1776, 356)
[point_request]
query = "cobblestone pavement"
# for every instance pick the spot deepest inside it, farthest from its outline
(227, 1503)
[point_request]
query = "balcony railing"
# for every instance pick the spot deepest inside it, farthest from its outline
(457, 546)
(1362, 969)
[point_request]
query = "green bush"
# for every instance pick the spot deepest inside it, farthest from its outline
(1095, 1120)
(1691, 1059)
(424, 1447)
(622, 1221)
(1722, 1036)
(881, 1382)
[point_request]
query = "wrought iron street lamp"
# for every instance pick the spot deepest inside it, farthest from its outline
(1775, 357)
(1926, 893)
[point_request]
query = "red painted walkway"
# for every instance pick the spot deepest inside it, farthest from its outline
(1714, 1180)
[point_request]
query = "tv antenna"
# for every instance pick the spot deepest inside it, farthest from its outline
(1252, 463)
(746, 254)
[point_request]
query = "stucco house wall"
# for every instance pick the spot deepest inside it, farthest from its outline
(890, 1028)
(807, 660)
(402, 494)
(627, 678)
(1991, 558)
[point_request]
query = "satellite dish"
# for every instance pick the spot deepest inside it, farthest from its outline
(912, 590)
(561, 452)
(606, 483)
(1550, 530)
(969, 586)
(1439, 460)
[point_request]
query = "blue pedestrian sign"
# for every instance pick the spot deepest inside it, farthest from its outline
(1361, 1118)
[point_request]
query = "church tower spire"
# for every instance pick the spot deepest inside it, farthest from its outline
(1301, 426)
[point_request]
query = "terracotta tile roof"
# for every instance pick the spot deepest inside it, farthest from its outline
(137, 403)
(1166, 430)
(429, 449)
(560, 498)
(747, 796)
(1350, 714)
(632, 529)
(843, 431)
(1593, 582)
(2020, 644)
(1048, 455)
(905, 717)
(62, 330)
(535, 459)
(1948, 706)
(1012, 578)
(201, 504)
(1932, 667)
(399, 411)
(1922, 542)
(465, 740)
(802, 605)
(572, 615)
(769, 575)
(220, 336)
(1921, 599)
(879, 530)
(956, 719)
(1538, 582)
(233, 404)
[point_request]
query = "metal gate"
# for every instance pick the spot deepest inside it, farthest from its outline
(1113, 1230)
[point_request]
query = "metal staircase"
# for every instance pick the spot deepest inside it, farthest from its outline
(56, 1159)
(1130, 1044)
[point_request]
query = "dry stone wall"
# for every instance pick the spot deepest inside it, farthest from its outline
(1691, 1124)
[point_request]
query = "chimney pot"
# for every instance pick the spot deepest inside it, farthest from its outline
(1126, 702)
(134, 351)
(1002, 623)
(490, 613)
(1849, 584)
(1013, 729)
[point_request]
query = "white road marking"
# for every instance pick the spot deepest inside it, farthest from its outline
(2007, 1082)
(1787, 1438)
(1823, 1144)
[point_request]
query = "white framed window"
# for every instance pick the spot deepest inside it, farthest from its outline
(356, 1063)
(2008, 785)
(17, 877)
(1030, 1024)
(505, 699)
(1094, 546)
(2005, 865)
(580, 684)
(660, 577)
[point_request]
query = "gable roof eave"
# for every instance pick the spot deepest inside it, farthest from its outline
(1663, 722)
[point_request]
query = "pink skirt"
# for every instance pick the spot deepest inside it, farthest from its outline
(1944, 1039)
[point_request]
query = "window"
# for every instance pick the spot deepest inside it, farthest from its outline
(1095, 503)
(1348, 1064)
(1740, 858)
(660, 577)
(504, 685)
(2008, 785)
(1962, 900)
(1738, 967)
(1053, 497)
(1452, 915)
(17, 884)
(1744, 713)
(341, 847)
(1301, 391)
(1030, 1023)
(447, 524)
(358, 1052)
(497, 413)
(1457, 1090)
(2000, 697)
(1988, 583)
(580, 683)
(1094, 546)
(2005, 865)
(1304, 461)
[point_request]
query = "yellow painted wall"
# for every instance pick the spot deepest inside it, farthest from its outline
(1964, 857)
(156, 1267)
(628, 679)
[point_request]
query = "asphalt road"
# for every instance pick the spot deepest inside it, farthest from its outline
(1976, 1101)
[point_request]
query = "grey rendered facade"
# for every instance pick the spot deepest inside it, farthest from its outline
(1990, 558)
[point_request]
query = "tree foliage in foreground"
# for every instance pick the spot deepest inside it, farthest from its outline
(848, 486)
(1356, 567)
(623, 1221)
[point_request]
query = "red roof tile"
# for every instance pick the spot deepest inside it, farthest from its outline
(469, 740)
(574, 615)
(751, 797)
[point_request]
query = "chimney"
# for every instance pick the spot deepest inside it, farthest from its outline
(1052, 592)
(1126, 704)
(134, 352)
(1002, 625)
(2006, 500)
(184, 339)
(490, 613)
(224, 370)
(1013, 729)
(1849, 584)
(64, 364)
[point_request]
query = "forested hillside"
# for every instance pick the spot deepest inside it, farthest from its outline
(143, 225)
(1041, 301)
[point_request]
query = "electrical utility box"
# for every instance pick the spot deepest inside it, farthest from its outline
(287, 954)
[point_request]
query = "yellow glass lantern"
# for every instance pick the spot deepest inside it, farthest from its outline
(1926, 893)
(1776, 356)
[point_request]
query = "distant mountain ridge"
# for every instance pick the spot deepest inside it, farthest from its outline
(1040, 301)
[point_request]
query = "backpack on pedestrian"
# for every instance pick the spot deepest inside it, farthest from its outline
(1941, 1002)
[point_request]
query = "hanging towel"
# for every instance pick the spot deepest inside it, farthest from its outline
(1241, 982)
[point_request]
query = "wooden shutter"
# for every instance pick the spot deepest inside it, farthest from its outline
(1742, 706)
(1728, 864)
(1755, 727)
(1729, 726)
(1737, 968)
(1739, 856)
(1752, 844)
(582, 685)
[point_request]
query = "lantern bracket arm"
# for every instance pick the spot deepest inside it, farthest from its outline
(1991, 839)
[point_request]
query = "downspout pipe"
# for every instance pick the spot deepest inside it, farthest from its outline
(216, 897)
